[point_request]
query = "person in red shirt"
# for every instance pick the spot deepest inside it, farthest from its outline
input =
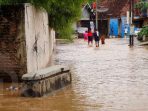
(90, 37)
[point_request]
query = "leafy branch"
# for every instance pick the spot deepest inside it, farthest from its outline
(62, 13)
(142, 5)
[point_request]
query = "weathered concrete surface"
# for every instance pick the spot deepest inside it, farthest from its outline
(39, 38)
(144, 43)
(12, 41)
(26, 41)
(45, 81)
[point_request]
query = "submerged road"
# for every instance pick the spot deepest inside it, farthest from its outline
(112, 77)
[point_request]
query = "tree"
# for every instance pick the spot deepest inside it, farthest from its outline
(62, 13)
(142, 5)
(90, 1)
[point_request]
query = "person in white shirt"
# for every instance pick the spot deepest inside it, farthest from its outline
(125, 32)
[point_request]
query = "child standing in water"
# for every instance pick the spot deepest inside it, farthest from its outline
(90, 37)
(103, 39)
(85, 36)
(96, 37)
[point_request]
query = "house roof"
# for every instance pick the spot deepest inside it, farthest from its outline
(88, 7)
(116, 8)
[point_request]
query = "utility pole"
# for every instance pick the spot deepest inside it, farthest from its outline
(96, 15)
(131, 38)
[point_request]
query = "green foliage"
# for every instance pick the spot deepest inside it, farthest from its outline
(143, 32)
(90, 1)
(143, 5)
(66, 33)
(62, 13)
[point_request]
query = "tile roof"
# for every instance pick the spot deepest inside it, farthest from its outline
(117, 8)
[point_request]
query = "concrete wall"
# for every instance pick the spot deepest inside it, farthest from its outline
(26, 41)
(52, 41)
(12, 41)
(45, 81)
(39, 38)
(21, 42)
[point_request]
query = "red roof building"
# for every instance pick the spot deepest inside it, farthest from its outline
(117, 8)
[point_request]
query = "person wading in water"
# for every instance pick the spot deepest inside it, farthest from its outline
(90, 38)
(85, 36)
(96, 37)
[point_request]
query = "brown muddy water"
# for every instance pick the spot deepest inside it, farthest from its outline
(112, 77)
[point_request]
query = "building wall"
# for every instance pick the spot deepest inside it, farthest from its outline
(26, 41)
(12, 41)
(39, 38)
(85, 14)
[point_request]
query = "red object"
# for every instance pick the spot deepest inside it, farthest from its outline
(85, 36)
(94, 5)
(89, 34)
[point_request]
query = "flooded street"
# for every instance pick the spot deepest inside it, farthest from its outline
(112, 77)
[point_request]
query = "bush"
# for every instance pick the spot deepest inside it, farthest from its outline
(144, 31)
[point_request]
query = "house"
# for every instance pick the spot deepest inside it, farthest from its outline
(86, 21)
(142, 18)
(111, 19)
(86, 17)
(116, 17)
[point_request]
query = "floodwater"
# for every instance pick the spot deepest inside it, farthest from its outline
(112, 77)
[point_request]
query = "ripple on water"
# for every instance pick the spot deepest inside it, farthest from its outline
(112, 77)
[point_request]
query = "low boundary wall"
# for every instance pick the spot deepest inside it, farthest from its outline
(45, 81)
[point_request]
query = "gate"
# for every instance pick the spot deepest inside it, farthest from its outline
(114, 27)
